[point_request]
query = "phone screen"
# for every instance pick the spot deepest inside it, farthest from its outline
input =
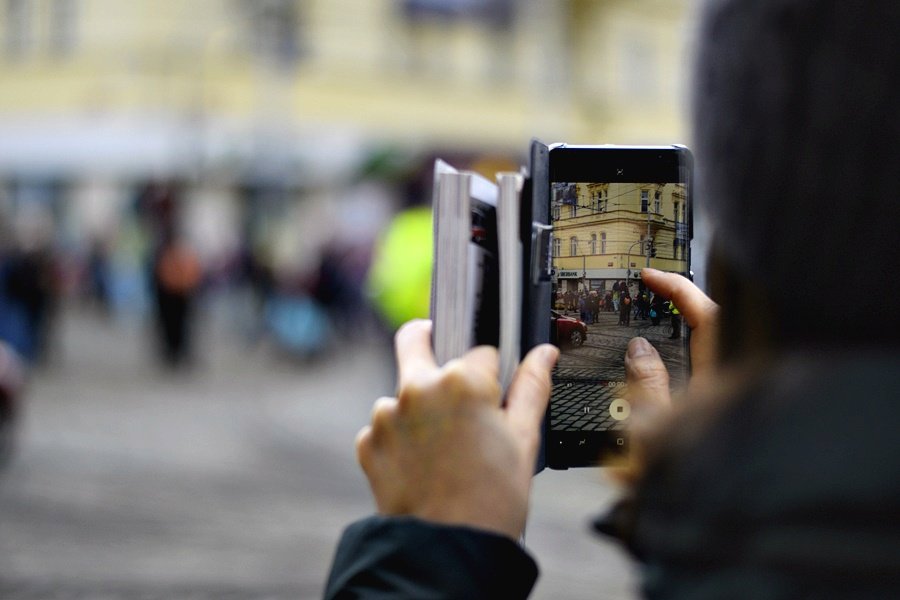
(613, 211)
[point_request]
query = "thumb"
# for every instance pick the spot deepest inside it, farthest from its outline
(647, 377)
(526, 401)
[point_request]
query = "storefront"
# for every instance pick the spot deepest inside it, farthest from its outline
(593, 279)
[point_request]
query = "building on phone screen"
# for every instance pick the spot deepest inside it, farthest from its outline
(604, 233)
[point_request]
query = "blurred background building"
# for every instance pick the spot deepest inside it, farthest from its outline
(227, 167)
(282, 127)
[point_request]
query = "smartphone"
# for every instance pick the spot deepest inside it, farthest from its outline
(613, 210)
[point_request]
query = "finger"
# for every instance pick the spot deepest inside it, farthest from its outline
(464, 381)
(700, 313)
(475, 376)
(697, 308)
(647, 377)
(364, 450)
(529, 392)
(384, 412)
(484, 360)
(374, 470)
(412, 345)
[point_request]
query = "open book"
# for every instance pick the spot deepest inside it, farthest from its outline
(491, 267)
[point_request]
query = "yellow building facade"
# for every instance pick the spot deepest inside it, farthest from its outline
(165, 85)
(233, 97)
(607, 232)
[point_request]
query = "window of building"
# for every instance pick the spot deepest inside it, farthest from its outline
(498, 14)
(274, 32)
(558, 193)
(603, 242)
(573, 246)
(677, 216)
(645, 199)
(18, 31)
(638, 66)
(593, 243)
(557, 246)
(656, 203)
(556, 212)
(63, 27)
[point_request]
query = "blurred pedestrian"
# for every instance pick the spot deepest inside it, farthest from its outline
(28, 279)
(583, 307)
(657, 308)
(12, 384)
(176, 279)
(625, 309)
(675, 315)
(98, 275)
(643, 304)
(399, 281)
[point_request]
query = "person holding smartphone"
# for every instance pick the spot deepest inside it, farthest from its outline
(777, 475)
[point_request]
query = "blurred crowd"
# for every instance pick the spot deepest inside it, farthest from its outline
(305, 269)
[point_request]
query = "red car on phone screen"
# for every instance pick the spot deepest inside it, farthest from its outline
(566, 330)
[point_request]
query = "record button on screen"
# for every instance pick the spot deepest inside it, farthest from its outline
(619, 409)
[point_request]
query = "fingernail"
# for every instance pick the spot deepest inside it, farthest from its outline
(639, 347)
(650, 270)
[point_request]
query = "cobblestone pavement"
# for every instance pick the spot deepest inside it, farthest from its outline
(588, 378)
(233, 480)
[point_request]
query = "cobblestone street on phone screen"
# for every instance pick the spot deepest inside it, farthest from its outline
(601, 357)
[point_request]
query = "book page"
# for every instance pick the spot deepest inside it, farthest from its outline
(438, 269)
(450, 259)
(510, 251)
(465, 284)
(482, 295)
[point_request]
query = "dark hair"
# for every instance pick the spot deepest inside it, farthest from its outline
(797, 136)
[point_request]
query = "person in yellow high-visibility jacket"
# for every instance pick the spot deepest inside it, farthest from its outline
(676, 321)
(399, 282)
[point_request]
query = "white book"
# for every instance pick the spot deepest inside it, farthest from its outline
(464, 281)
(510, 256)
(491, 246)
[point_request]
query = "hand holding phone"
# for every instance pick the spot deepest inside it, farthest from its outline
(445, 450)
(645, 372)
(700, 313)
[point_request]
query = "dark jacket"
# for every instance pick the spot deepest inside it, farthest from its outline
(385, 558)
(790, 490)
